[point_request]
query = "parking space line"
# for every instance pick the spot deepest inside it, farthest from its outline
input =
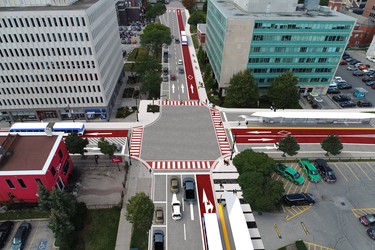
(291, 211)
(370, 166)
(358, 212)
(335, 164)
(363, 171)
(32, 238)
(351, 170)
(316, 246)
(308, 185)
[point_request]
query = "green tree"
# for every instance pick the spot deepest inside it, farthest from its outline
(197, 17)
(140, 211)
(259, 189)
(204, 8)
(106, 148)
(284, 91)
(154, 10)
(288, 145)
(189, 4)
(324, 2)
(242, 91)
(332, 145)
(151, 84)
(44, 198)
(76, 144)
(154, 36)
(147, 63)
(201, 57)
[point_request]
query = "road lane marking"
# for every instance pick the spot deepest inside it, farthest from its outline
(335, 164)
(184, 231)
(32, 238)
(277, 231)
(308, 185)
(224, 226)
(293, 212)
(191, 211)
(363, 171)
(311, 245)
(305, 228)
(370, 166)
(351, 170)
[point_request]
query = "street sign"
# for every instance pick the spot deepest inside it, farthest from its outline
(117, 159)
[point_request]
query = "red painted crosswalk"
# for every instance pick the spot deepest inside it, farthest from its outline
(168, 165)
(220, 132)
(181, 103)
(136, 141)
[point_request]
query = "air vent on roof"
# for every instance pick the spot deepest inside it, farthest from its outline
(239, 14)
(221, 1)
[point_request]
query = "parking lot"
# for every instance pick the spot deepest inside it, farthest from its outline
(332, 223)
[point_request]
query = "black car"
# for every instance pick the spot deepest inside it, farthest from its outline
(358, 73)
(353, 62)
(5, 229)
(348, 59)
(333, 90)
(158, 240)
(364, 103)
(370, 72)
(300, 199)
(344, 86)
(341, 98)
(347, 104)
(325, 171)
(371, 232)
(367, 79)
(20, 237)
(370, 83)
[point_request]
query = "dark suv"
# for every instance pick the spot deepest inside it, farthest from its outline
(341, 98)
(325, 171)
(300, 199)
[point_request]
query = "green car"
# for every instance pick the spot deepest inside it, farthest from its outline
(310, 170)
(289, 173)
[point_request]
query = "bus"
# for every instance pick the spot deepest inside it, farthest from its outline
(212, 234)
(41, 127)
(184, 40)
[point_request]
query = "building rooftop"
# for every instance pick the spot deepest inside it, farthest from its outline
(26, 152)
(202, 27)
(79, 5)
(231, 10)
(362, 20)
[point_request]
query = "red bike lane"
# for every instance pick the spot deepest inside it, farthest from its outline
(105, 133)
(190, 79)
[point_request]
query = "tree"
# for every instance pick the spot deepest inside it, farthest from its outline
(242, 91)
(151, 84)
(189, 4)
(332, 145)
(288, 145)
(284, 92)
(154, 36)
(154, 10)
(201, 56)
(197, 17)
(61, 225)
(140, 211)
(76, 144)
(258, 188)
(147, 63)
(44, 198)
(106, 148)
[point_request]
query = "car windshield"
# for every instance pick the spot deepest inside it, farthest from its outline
(330, 173)
(16, 241)
(296, 175)
(371, 218)
(313, 172)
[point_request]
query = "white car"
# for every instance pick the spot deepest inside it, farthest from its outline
(371, 59)
(180, 62)
(176, 208)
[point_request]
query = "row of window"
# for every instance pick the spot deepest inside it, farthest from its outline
(298, 38)
(296, 49)
(48, 37)
(314, 26)
(45, 52)
(50, 78)
(51, 101)
(28, 22)
(292, 60)
(304, 80)
(278, 70)
(47, 65)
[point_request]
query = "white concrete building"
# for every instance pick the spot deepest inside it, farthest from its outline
(59, 59)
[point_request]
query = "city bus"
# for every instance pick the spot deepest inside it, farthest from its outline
(184, 40)
(212, 234)
(32, 127)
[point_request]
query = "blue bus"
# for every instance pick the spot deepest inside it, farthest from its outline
(32, 127)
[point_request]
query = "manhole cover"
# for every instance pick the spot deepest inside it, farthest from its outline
(343, 204)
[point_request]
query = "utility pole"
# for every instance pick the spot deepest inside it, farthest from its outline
(234, 143)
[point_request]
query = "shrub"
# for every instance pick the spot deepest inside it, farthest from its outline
(301, 245)
(128, 93)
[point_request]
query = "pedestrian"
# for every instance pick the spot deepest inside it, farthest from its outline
(221, 123)
(10, 123)
(247, 122)
(239, 123)
(150, 170)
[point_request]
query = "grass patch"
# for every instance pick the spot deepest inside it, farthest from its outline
(153, 108)
(139, 239)
(123, 112)
(100, 230)
(32, 213)
(133, 55)
(128, 93)
(195, 41)
(128, 66)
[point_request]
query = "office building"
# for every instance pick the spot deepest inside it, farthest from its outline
(59, 59)
(272, 37)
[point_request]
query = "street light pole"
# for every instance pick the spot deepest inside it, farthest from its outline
(136, 110)
(130, 156)
(234, 143)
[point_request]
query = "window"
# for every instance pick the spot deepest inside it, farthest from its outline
(66, 167)
(286, 38)
(53, 171)
(22, 183)
(10, 184)
(39, 182)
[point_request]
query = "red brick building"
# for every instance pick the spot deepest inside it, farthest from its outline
(201, 33)
(26, 160)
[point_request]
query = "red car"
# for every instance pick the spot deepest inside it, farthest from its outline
(342, 62)
(373, 86)
(368, 219)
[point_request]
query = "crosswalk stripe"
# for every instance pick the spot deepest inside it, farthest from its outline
(183, 165)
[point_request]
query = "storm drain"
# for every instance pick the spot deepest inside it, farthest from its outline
(343, 204)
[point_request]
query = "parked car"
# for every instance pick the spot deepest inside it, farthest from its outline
(176, 208)
(165, 71)
(358, 73)
(367, 78)
(341, 98)
(362, 67)
(364, 103)
(373, 86)
(369, 72)
(370, 83)
(181, 70)
(5, 229)
(344, 86)
(371, 232)
(333, 90)
(309, 169)
(175, 185)
(347, 104)
(165, 79)
(189, 188)
(325, 171)
(289, 173)
(177, 40)
(158, 240)
(371, 59)
(340, 81)
(159, 215)
(343, 62)
(351, 68)
(348, 59)
(21, 235)
(367, 220)
(354, 62)
(300, 199)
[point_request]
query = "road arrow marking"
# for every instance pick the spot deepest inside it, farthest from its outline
(284, 132)
(266, 147)
(192, 88)
(261, 139)
(259, 132)
(207, 204)
(96, 134)
(173, 88)
(182, 88)
(190, 77)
